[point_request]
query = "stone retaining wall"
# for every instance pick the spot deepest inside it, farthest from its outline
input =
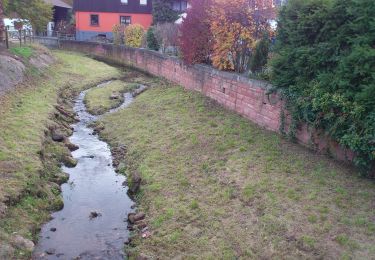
(248, 97)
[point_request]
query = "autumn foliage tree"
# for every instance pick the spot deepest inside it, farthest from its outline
(235, 32)
(195, 39)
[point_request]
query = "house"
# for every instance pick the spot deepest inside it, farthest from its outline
(61, 14)
(97, 17)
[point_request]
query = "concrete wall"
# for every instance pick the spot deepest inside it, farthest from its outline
(51, 42)
(250, 98)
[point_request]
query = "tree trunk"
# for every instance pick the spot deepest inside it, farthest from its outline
(2, 25)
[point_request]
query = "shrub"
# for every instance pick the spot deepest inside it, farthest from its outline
(195, 40)
(152, 42)
(167, 35)
(134, 35)
(118, 31)
(325, 66)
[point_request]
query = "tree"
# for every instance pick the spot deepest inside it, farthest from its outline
(134, 35)
(167, 35)
(259, 57)
(2, 26)
(234, 30)
(195, 39)
(163, 12)
(152, 42)
(38, 12)
(325, 67)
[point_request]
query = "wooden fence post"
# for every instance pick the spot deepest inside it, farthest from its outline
(6, 37)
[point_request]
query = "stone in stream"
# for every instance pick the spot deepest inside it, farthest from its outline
(133, 217)
(51, 251)
(23, 243)
(53, 229)
(72, 147)
(135, 183)
(69, 161)
(94, 214)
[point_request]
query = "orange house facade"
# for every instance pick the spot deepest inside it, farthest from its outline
(96, 18)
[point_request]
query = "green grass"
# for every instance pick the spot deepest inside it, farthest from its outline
(98, 100)
(24, 52)
(24, 116)
(216, 186)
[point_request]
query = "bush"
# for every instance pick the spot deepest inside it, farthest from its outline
(152, 42)
(195, 39)
(325, 66)
(134, 35)
(118, 31)
(167, 35)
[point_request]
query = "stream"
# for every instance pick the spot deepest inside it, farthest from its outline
(93, 222)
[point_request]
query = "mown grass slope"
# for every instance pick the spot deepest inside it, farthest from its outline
(24, 116)
(216, 186)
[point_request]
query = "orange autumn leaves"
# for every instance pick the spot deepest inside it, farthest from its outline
(234, 29)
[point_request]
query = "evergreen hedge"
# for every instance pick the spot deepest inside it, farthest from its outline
(325, 67)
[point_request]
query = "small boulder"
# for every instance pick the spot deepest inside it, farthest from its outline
(94, 214)
(69, 161)
(141, 225)
(134, 183)
(57, 136)
(53, 229)
(72, 147)
(23, 243)
(51, 251)
(133, 217)
(115, 96)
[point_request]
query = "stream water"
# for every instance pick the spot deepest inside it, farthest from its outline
(94, 187)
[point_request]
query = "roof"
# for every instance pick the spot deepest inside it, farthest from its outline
(58, 3)
(112, 6)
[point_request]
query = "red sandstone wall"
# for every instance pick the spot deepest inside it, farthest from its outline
(248, 97)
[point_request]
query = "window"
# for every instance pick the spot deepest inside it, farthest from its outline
(124, 2)
(125, 20)
(143, 2)
(94, 20)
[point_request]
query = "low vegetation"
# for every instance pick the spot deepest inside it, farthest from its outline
(29, 161)
(103, 98)
(215, 186)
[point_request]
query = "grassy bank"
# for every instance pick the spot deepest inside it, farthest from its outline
(26, 192)
(216, 186)
(102, 99)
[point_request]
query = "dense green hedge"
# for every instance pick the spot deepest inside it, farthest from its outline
(325, 66)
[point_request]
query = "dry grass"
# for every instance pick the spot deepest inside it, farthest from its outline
(218, 187)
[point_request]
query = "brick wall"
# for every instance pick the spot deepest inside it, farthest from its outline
(248, 97)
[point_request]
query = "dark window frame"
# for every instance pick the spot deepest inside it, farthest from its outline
(91, 20)
(125, 16)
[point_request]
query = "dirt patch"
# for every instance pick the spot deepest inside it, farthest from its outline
(14, 68)
(11, 73)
